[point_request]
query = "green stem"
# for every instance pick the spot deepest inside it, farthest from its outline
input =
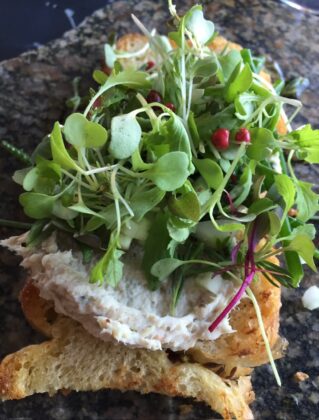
(15, 224)
(149, 111)
(218, 193)
(79, 181)
(289, 165)
(271, 254)
(264, 335)
(87, 177)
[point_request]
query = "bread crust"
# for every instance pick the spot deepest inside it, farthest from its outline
(245, 348)
(66, 361)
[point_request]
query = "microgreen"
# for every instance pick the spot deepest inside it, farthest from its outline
(80, 132)
(306, 200)
(125, 136)
(131, 168)
(170, 171)
(109, 268)
(201, 29)
(286, 190)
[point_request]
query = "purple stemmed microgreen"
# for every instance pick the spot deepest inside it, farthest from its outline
(250, 270)
(231, 203)
(234, 252)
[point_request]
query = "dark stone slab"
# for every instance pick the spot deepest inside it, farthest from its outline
(33, 90)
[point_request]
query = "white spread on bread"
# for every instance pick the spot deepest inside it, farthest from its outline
(129, 313)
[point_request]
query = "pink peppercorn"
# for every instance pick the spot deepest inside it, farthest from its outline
(150, 64)
(171, 106)
(243, 135)
(154, 96)
(220, 138)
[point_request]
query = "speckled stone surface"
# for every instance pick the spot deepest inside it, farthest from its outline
(33, 89)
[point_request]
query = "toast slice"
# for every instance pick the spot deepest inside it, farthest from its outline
(72, 359)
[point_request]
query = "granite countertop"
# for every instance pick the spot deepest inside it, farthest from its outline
(33, 89)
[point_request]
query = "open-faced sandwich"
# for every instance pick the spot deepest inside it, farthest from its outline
(161, 205)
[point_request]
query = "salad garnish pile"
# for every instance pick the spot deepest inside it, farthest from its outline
(185, 156)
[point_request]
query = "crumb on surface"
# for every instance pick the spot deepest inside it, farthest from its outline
(300, 376)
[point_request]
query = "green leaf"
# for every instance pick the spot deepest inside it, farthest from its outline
(205, 67)
(307, 140)
(125, 136)
(155, 247)
(142, 202)
(170, 171)
(82, 208)
(193, 129)
(36, 205)
(261, 206)
(109, 268)
(62, 212)
(239, 82)
(137, 162)
(43, 149)
(30, 179)
(275, 223)
(256, 63)
(176, 37)
(83, 133)
(110, 56)
(292, 258)
(176, 289)
(225, 226)
(242, 190)
(100, 77)
(286, 189)
(59, 152)
(43, 178)
(228, 63)
(207, 122)
(185, 204)
(48, 169)
(201, 28)
(178, 234)
(130, 78)
(163, 268)
(210, 236)
(20, 174)
(105, 217)
(38, 233)
(306, 200)
(244, 105)
(307, 229)
(305, 247)
(179, 223)
(87, 254)
(210, 171)
(174, 130)
(262, 141)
